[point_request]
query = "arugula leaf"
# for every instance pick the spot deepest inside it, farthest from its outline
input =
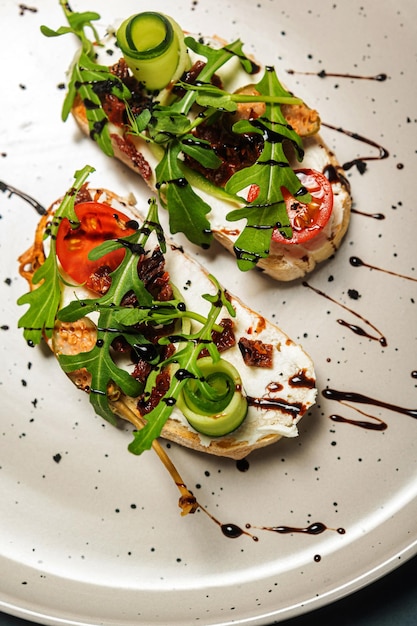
(186, 208)
(201, 151)
(117, 320)
(157, 313)
(45, 297)
(138, 123)
(169, 128)
(77, 23)
(88, 78)
(208, 95)
(102, 368)
(78, 20)
(43, 302)
(98, 361)
(216, 58)
(270, 173)
(186, 359)
(165, 125)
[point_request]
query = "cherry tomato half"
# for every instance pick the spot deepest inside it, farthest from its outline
(307, 220)
(98, 223)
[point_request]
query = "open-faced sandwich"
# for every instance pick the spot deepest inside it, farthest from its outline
(230, 152)
(151, 336)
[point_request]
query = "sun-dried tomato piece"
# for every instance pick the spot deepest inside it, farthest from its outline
(255, 352)
(224, 339)
(156, 279)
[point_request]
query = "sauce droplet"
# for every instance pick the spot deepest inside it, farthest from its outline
(242, 465)
(231, 530)
(316, 528)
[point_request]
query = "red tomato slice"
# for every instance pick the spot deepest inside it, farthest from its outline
(307, 220)
(98, 223)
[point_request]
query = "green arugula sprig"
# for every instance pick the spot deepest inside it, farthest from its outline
(269, 173)
(167, 124)
(187, 210)
(98, 361)
(170, 126)
(44, 299)
(108, 377)
(208, 95)
(88, 78)
(77, 24)
(116, 320)
(184, 360)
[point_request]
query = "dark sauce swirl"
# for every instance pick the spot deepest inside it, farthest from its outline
(357, 262)
(380, 78)
(16, 192)
(359, 398)
(354, 328)
(360, 162)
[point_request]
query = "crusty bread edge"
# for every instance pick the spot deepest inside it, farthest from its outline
(228, 447)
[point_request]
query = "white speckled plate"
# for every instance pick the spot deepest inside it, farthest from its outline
(90, 534)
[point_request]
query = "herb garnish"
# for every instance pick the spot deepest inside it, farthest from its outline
(186, 365)
(45, 297)
(270, 173)
(115, 319)
(108, 378)
(168, 123)
(87, 76)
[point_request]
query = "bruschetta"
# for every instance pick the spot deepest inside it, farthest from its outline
(232, 155)
(151, 336)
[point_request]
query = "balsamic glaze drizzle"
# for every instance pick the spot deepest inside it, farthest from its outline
(360, 161)
(233, 531)
(357, 262)
(179, 182)
(13, 191)
(356, 329)
(377, 425)
(375, 216)
(351, 396)
(324, 74)
(316, 528)
(275, 404)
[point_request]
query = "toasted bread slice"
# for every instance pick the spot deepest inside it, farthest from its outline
(285, 262)
(279, 389)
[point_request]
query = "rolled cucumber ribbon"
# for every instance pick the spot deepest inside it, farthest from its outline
(214, 405)
(154, 49)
